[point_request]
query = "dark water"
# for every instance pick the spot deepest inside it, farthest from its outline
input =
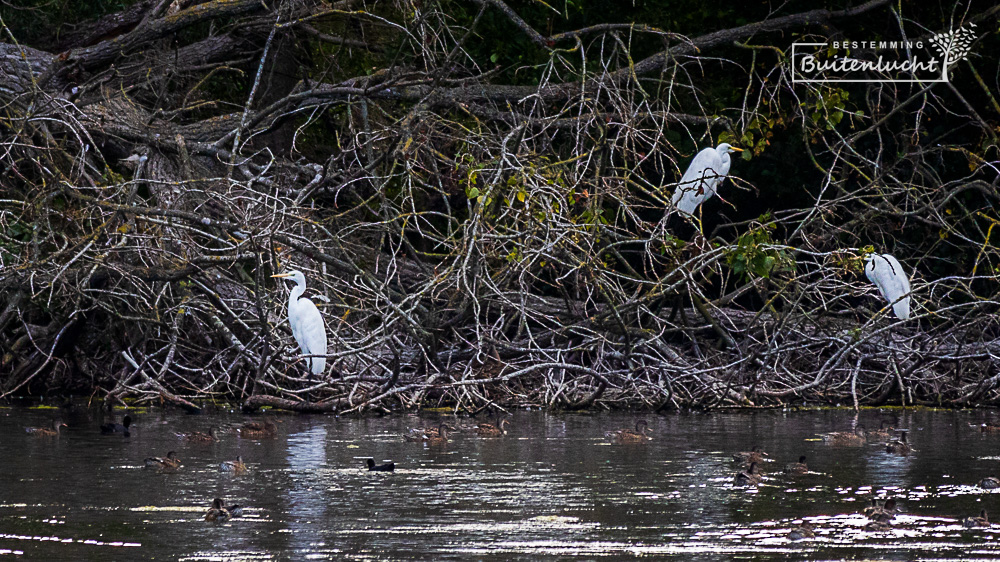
(553, 489)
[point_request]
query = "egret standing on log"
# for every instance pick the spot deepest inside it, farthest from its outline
(888, 275)
(307, 323)
(703, 176)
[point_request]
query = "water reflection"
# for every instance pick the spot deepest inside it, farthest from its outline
(306, 493)
(555, 487)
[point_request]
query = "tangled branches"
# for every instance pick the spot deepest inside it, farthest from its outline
(480, 233)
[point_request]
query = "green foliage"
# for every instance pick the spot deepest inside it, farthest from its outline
(827, 109)
(13, 236)
(756, 136)
(750, 258)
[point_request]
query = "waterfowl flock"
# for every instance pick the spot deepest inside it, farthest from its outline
(880, 513)
(752, 472)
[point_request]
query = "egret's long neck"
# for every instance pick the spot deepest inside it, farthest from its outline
(726, 162)
(297, 290)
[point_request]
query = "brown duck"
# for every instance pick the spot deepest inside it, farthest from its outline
(748, 477)
(220, 512)
(425, 433)
(441, 438)
(491, 430)
(200, 436)
(900, 447)
(258, 430)
(170, 462)
(846, 438)
(982, 521)
(236, 467)
(884, 431)
(797, 467)
(803, 531)
(883, 513)
(45, 431)
(754, 455)
(629, 436)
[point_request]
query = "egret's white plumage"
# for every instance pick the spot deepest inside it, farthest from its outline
(702, 178)
(307, 323)
(887, 274)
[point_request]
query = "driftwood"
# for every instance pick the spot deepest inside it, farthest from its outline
(480, 235)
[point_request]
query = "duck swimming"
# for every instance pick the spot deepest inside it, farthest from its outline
(803, 531)
(113, 427)
(170, 462)
(44, 431)
(258, 430)
(748, 477)
(220, 513)
(629, 436)
(883, 432)
(990, 482)
(425, 433)
(900, 447)
(885, 512)
(754, 455)
(797, 467)
(200, 436)
(441, 438)
(982, 521)
(387, 467)
(236, 466)
(490, 430)
(846, 438)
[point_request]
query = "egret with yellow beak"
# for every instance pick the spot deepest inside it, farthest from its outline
(703, 177)
(307, 323)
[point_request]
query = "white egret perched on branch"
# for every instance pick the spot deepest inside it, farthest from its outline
(888, 275)
(703, 176)
(307, 323)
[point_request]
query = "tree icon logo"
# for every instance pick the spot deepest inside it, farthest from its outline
(953, 46)
(883, 60)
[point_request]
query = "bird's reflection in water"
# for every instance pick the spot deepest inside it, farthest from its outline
(306, 495)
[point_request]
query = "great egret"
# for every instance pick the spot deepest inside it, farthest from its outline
(703, 176)
(885, 272)
(307, 323)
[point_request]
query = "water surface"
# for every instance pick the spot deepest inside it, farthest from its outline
(553, 489)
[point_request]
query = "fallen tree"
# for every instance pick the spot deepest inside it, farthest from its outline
(481, 209)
